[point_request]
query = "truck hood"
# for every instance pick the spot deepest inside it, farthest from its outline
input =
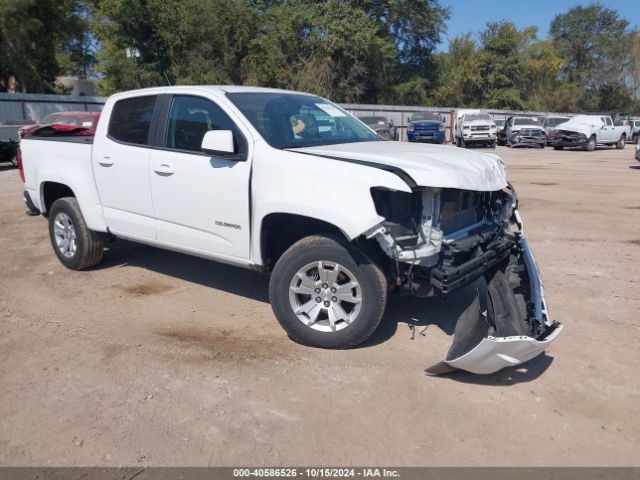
(529, 126)
(477, 123)
(429, 165)
(583, 128)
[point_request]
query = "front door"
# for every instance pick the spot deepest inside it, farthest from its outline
(200, 202)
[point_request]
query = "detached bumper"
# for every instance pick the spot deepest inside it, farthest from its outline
(508, 326)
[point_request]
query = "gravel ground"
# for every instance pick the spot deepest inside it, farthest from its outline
(157, 358)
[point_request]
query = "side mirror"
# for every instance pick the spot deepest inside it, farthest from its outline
(218, 143)
(443, 119)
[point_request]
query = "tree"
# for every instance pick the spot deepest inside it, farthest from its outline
(462, 82)
(328, 48)
(505, 64)
(155, 42)
(38, 42)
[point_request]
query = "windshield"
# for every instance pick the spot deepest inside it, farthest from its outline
(499, 122)
(526, 121)
(477, 116)
(289, 120)
(430, 116)
(554, 121)
(66, 119)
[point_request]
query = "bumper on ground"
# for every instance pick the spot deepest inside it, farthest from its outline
(491, 333)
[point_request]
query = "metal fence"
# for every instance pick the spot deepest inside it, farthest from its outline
(17, 109)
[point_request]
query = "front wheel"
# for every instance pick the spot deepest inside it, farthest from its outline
(326, 293)
(591, 144)
(75, 245)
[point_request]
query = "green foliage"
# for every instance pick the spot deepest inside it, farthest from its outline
(348, 50)
(40, 39)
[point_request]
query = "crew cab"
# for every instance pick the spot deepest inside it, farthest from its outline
(588, 131)
(292, 185)
(475, 127)
(426, 127)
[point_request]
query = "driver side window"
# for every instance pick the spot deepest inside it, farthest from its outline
(190, 118)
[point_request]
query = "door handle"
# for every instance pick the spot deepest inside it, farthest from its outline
(163, 169)
(105, 161)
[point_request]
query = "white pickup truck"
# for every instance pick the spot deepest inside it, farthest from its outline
(293, 185)
(587, 131)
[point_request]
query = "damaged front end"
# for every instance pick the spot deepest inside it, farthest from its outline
(441, 239)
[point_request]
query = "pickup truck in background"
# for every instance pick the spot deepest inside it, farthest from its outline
(588, 131)
(475, 127)
(524, 132)
(426, 127)
(292, 185)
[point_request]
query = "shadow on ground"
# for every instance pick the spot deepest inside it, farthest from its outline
(208, 273)
(418, 314)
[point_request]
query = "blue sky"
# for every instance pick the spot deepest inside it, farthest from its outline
(473, 15)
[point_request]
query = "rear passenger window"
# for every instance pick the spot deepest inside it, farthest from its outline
(190, 118)
(131, 119)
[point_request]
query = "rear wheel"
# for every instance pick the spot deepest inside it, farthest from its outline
(75, 245)
(634, 138)
(622, 142)
(14, 161)
(326, 293)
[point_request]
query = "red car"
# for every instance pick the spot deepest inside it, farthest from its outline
(60, 123)
(78, 123)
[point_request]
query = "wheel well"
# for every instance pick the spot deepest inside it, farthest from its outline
(281, 230)
(52, 191)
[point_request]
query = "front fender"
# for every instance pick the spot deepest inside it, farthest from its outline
(321, 188)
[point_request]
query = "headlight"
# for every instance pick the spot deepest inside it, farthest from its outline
(441, 128)
(410, 128)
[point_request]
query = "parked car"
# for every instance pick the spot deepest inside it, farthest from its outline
(9, 152)
(381, 125)
(638, 150)
(426, 127)
(525, 132)
(83, 120)
(587, 131)
(243, 175)
(549, 123)
(474, 127)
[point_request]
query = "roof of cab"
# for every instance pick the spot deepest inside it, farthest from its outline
(210, 88)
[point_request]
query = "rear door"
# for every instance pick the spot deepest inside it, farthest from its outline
(201, 202)
(121, 167)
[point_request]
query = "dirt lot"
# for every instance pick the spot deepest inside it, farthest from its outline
(157, 358)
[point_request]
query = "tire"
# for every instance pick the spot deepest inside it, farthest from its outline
(492, 144)
(458, 144)
(620, 144)
(14, 161)
(634, 138)
(591, 144)
(558, 147)
(304, 256)
(66, 222)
